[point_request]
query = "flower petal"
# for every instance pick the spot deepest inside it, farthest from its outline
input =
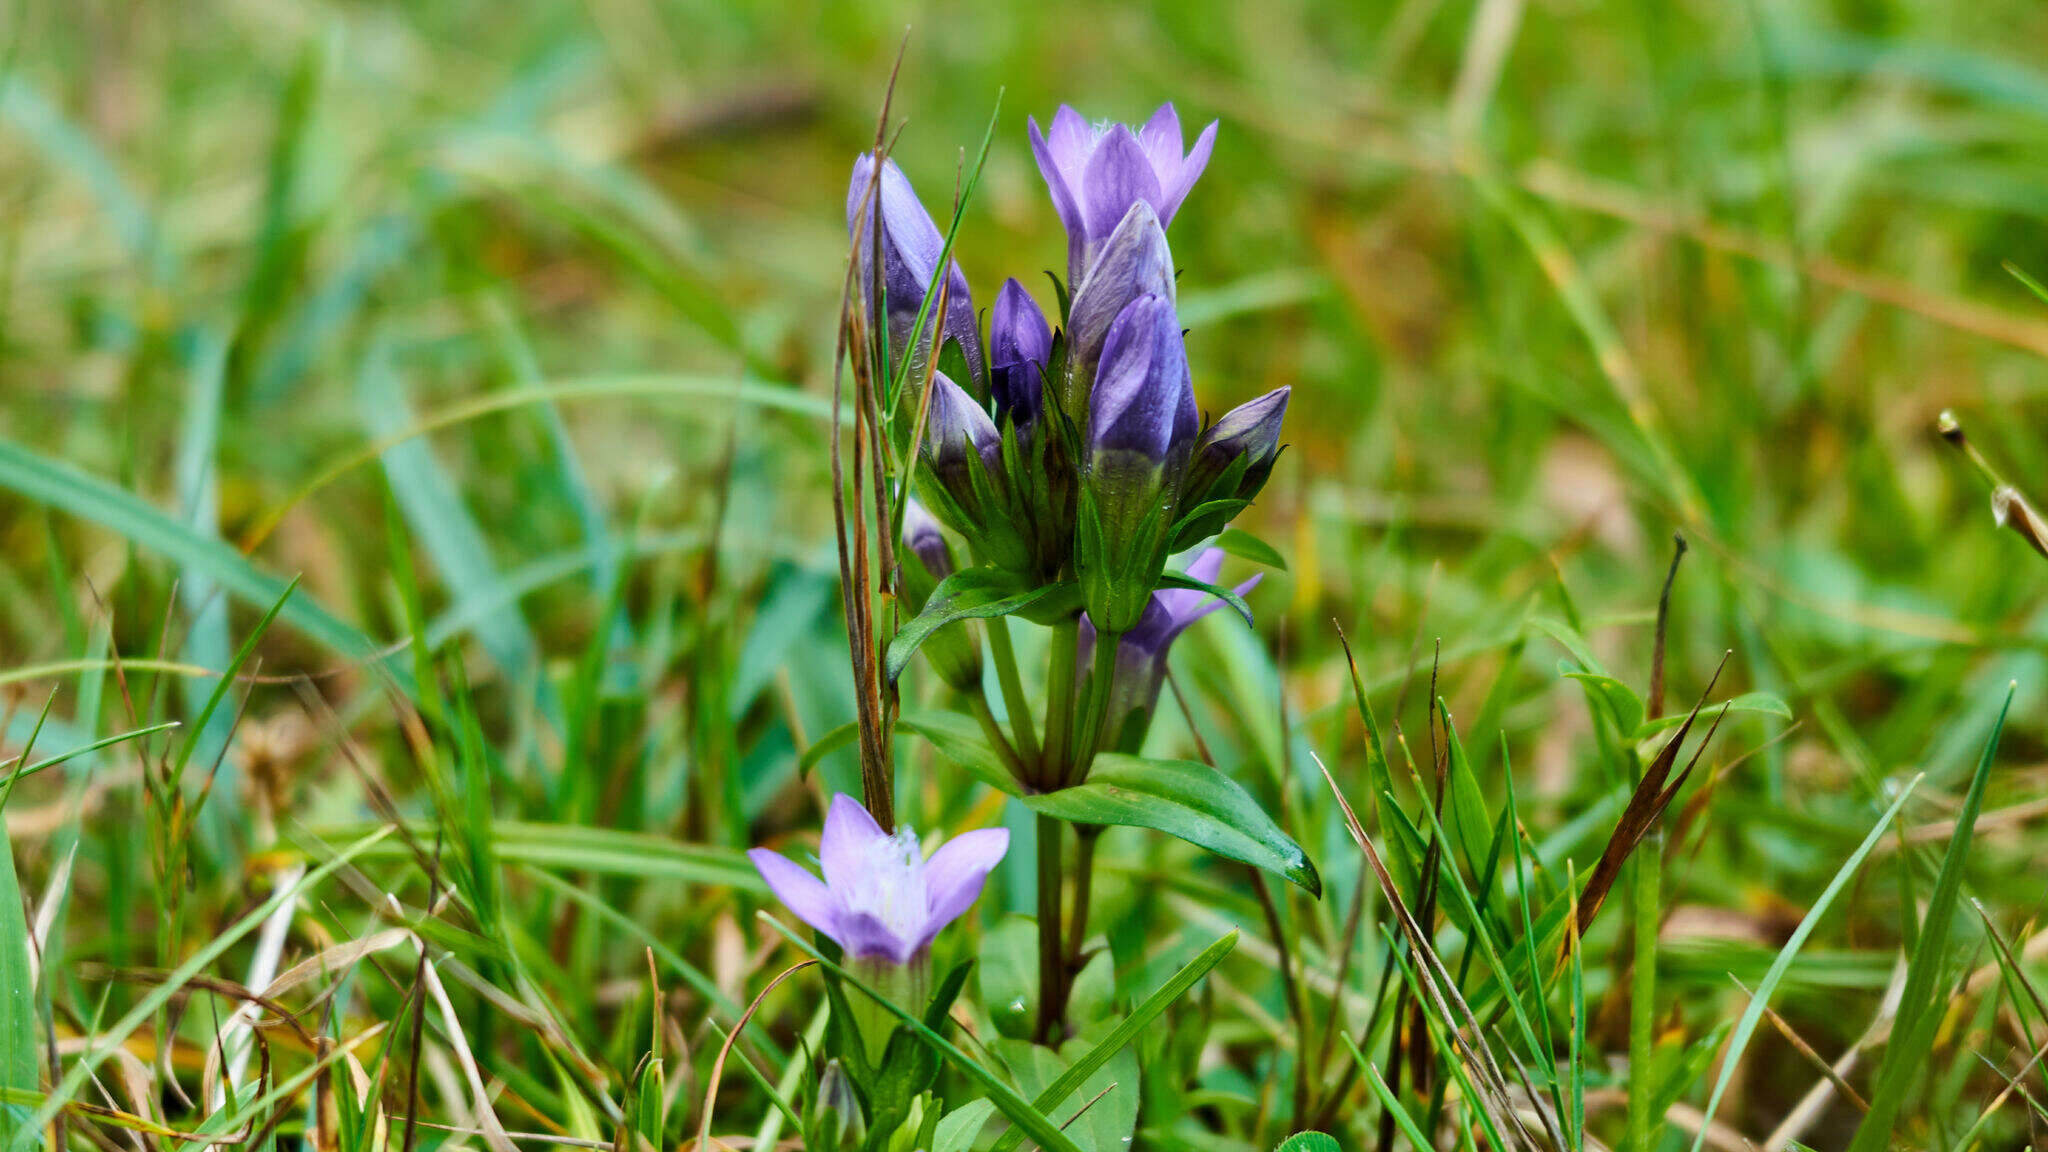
(1136, 403)
(1190, 171)
(1072, 140)
(1118, 176)
(803, 893)
(1062, 194)
(955, 874)
(843, 849)
(862, 934)
(1161, 138)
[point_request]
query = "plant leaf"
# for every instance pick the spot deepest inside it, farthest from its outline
(1245, 546)
(1182, 798)
(970, 594)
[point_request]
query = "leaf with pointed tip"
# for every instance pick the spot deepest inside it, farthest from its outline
(970, 594)
(1245, 546)
(1186, 799)
(1178, 580)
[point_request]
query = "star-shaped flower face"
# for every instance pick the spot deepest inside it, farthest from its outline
(881, 897)
(1097, 172)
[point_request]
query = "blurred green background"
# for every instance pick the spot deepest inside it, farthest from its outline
(1551, 281)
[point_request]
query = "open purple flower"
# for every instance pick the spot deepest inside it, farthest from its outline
(881, 898)
(1096, 172)
(910, 248)
(1141, 652)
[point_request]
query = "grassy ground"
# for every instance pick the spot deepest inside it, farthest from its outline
(507, 331)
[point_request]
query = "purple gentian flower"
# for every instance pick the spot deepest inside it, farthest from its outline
(1095, 173)
(881, 898)
(1141, 652)
(1250, 431)
(1135, 262)
(1019, 344)
(910, 247)
(1143, 402)
(956, 427)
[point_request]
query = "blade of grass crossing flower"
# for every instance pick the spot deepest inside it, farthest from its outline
(1760, 999)
(1031, 1121)
(1128, 1030)
(1920, 1007)
(917, 329)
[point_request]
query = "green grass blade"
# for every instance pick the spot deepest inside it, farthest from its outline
(1760, 999)
(1029, 1120)
(1126, 1031)
(1920, 1007)
(19, 1062)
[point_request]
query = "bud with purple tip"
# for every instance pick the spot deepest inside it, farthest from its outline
(1097, 172)
(1134, 262)
(1141, 425)
(910, 245)
(1232, 459)
(1019, 345)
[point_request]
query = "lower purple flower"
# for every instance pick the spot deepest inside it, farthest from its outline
(881, 897)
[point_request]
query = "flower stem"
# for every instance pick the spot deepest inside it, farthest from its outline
(1097, 705)
(978, 704)
(1085, 836)
(1059, 705)
(1052, 994)
(1014, 701)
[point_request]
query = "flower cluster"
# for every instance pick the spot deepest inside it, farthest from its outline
(1073, 451)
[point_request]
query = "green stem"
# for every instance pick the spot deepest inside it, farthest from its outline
(1642, 1016)
(978, 704)
(1059, 705)
(1014, 701)
(1099, 681)
(1085, 837)
(1052, 996)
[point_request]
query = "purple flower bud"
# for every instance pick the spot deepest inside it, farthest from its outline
(1141, 652)
(921, 534)
(881, 898)
(1143, 402)
(1019, 343)
(1135, 262)
(1250, 431)
(910, 248)
(956, 428)
(1095, 173)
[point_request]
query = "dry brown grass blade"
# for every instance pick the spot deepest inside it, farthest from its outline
(1653, 794)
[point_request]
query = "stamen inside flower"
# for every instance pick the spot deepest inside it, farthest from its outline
(890, 886)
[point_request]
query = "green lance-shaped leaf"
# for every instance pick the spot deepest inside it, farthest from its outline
(971, 594)
(1182, 798)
